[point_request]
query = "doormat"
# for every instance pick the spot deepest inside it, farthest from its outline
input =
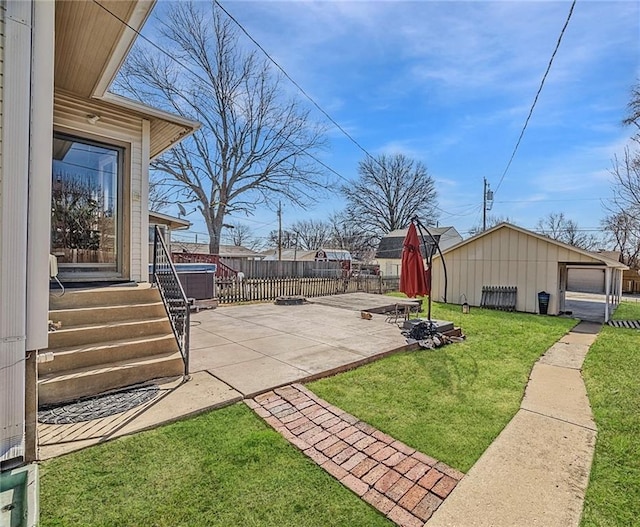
(97, 407)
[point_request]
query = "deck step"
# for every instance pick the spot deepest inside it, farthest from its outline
(110, 338)
(107, 332)
(97, 354)
(104, 296)
(58, 388)
(88, 315)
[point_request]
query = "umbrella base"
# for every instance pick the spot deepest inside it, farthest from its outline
(439, 326)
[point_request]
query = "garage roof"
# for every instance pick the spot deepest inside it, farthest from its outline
(598, 258)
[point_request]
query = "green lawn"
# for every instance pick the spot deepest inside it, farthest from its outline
(627, 310)
(450, 403)
(228, 468)
(612, 375)
(225, 468)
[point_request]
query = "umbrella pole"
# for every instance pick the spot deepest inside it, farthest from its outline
(429, 255)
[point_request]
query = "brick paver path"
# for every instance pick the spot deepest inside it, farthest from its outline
(405, 485)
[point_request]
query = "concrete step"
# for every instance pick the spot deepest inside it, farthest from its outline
(104, 296)
(110, 313)
(108, 332)
(96, 355)
(56, 388)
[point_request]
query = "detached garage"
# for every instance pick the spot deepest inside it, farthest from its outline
(526, 263)
(586, 280)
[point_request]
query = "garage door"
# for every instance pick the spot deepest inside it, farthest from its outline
(586, 280)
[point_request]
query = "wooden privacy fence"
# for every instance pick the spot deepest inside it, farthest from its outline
(284, 268)
(262, 289)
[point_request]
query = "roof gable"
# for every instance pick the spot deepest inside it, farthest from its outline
(596, 257)
(390, 246)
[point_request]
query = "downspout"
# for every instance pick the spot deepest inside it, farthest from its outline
(39, 206)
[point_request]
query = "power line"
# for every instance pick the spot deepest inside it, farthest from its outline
(550, 200)
(302, 90)
(535, 100)
(198, 76)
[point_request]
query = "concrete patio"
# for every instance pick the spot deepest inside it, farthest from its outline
(253, 348)
(240, 351)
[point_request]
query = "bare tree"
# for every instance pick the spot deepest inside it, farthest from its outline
(240, 235)
(312, 234)
(288, 239)
(623, 233)
(622, 226)
(557, 227)
(254, 144)
(626, 182)
(351, 236)
(634, 108)
(391, 190)
(160, 195)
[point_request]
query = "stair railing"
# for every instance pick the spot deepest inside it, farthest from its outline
(175, 301)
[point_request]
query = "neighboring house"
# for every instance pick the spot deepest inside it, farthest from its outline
(389, 252)
(333, 255)
(506, 255)
(631, 281)
(166, 224)
(225, 251)
(63, 134)
(319, 255)
(289, 255)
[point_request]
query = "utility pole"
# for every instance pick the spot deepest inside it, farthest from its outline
(484, 205)
(487, 202)
(279, 231)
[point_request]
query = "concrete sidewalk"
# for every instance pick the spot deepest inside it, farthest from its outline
(537, 470)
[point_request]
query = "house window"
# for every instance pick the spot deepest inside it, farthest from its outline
(85, 203)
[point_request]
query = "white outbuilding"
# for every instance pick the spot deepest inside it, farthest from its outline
(523, 262)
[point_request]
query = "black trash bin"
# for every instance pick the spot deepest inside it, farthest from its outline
(543, 302)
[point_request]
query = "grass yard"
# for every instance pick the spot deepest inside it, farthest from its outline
(225, 468)
(228, 468)
(450, 403)
(627, 310)
(612, 375)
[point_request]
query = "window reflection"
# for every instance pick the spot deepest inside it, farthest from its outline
(84, 202)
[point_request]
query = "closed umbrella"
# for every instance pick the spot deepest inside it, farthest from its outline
(412, 278)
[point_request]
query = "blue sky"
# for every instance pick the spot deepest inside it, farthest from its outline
(450, 83)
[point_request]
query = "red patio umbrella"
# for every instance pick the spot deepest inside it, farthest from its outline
(412, 278)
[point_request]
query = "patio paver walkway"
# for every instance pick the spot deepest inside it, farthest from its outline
(405, 485)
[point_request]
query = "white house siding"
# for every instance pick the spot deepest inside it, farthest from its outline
(504, 257)
(3, 10)
(389, 266)
(118, 126)
(41, 132)
(14, 143)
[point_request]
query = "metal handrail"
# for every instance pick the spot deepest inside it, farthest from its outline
(173, 297)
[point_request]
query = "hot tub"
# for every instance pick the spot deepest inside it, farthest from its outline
(197, 279)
